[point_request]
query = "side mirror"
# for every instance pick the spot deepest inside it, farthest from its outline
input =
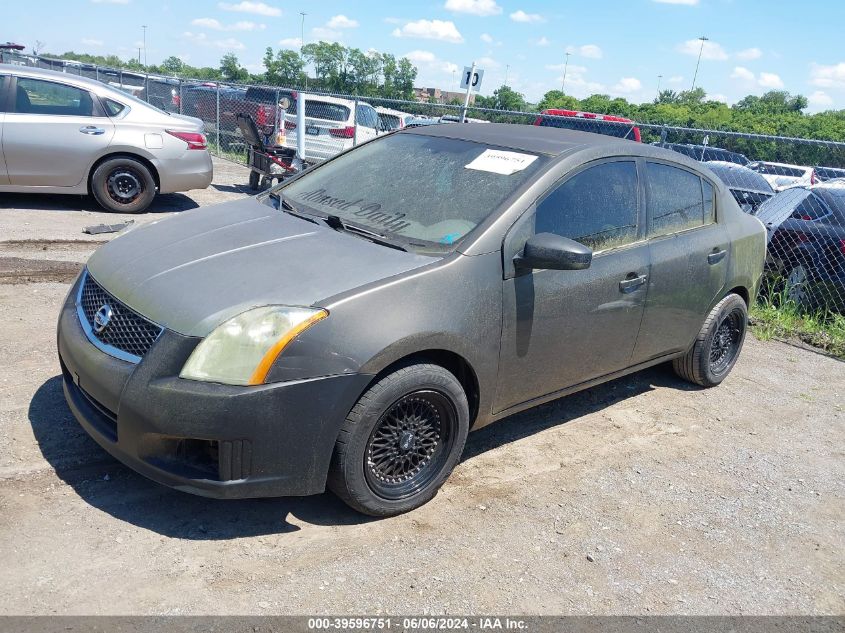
(553, 252)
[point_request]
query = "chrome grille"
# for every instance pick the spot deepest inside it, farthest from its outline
(127, 335)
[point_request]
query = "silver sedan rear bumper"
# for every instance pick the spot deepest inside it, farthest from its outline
(192, 170)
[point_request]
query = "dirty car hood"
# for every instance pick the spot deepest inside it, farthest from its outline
(192, 271)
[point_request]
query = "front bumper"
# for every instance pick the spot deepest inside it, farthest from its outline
(205, 438)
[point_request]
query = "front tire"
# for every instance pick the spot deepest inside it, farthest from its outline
(123, 185)
(401, 441)
(717, 346)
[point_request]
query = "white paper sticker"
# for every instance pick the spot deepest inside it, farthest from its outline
(500, 162)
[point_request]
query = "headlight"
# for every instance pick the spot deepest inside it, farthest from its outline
(242, 350)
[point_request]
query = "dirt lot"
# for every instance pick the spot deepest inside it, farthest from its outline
(643, 496)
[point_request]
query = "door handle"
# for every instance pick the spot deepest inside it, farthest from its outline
(632, 282)
(93, 130)
(716, 256)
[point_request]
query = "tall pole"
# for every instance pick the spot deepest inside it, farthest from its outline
(302, 42)
(507, 69)
(700, 51)
(659, 77)
(565, 67)
(144, 26)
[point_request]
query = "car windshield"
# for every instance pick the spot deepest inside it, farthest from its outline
(418, 188)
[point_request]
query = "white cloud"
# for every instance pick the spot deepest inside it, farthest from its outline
(749, 53)
(820, 99)
(487, 63)
(473, 7)
(717, 97)
(711, 51)
(443, 30)
(432, 70)
(258, 8)
(201, 39)
(528, 18)
(487, 38)
(770, 80)
(326, 34)
(216, 25)
(543, 41)
(110, 1)
(689, 3)
(291, 42)
(590, 51)
(627, 85)
(341, 22)
(828, 76)
(742, 73)
(91, 42)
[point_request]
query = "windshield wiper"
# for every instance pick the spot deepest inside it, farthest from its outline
(337, 224)
(287, 207)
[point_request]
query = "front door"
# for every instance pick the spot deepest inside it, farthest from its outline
(52, 133)
(564, 327)
(689, 259)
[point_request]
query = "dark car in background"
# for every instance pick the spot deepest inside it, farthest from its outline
(828, 173)
(607, 124)
(748, 188)
(807, 243)
(705, 153)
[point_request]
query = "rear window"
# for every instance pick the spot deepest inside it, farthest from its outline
(263, 95)
(325, 110)
(390, 121)
(619, 130)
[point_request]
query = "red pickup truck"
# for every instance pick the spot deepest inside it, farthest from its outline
(607, 124)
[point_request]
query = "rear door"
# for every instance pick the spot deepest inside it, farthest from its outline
(52, 133)
(4, 79)
(689, 253)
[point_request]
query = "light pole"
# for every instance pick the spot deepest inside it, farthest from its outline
(700, 51)
(507, 70)
(659, 77)
(565, 67)
(144, 26)
(302, 43)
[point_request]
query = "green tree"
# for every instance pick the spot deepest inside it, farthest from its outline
(231, 69)
(172, 66)
(285, 68)
(559, 100)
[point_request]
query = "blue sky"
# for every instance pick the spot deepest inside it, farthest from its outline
(617, 47)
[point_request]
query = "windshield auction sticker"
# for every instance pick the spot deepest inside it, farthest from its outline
(500, 162)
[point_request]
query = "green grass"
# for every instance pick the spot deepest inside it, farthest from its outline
(782, 319)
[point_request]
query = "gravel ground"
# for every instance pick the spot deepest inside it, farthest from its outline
(642, 496)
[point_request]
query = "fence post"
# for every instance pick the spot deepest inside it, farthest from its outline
(147, 86)
(217, 118)
(97, 73)
(355, 124)
(278, 123)
(180, 96)
(120, 77)
(300, 126)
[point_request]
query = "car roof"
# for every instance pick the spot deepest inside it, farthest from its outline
(550, 141)
(739, 177)
(768, 162)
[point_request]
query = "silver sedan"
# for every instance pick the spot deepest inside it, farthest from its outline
(65, 134)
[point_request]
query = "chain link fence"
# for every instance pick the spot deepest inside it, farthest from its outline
(798, 191)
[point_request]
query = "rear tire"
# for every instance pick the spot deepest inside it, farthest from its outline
(717, 346)
(123, 185)
(400, 441)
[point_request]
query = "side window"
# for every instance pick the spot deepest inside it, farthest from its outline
(33, 96)
(810, 209)
(367, 117)
(113, 107)
(3, 81)
(709, 209)
(675, 200)
(597, 207)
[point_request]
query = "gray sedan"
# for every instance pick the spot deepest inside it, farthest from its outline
(350, 326)
(67, 134)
